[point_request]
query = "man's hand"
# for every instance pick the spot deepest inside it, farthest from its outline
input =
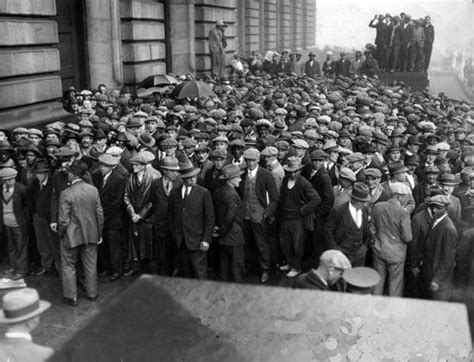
(204, 246)
(135, 218)
(54, 227)
(434, 287)
(416, 272)
(100, 241)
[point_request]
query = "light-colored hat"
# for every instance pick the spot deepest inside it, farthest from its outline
(21, 305)
(335, 259)
(298, 143)
(269, 151)
(221, 23)
(373, 172)
(361, 277)
(440, 200)
(114, 151)
(293, 164)
(347, 173)
(108, 160)
(399, 188)
(251, 154)
(170, 163)
(8, 173)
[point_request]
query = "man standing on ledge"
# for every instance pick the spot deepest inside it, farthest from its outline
(217, 45)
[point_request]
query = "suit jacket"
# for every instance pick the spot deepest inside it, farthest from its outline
(159, 200)
(192, 219)
(393, 230)
(212, 180)
(229, 215)
(342, 67)
(323, 186)
(307, 197)
(406, 35)
(338, 224)
(265, 188)
(312, 70)
(111, 198)
(20, 205)
(41, 197)
(23, 350)
(81, 218)
(216, 41)
(310, 280)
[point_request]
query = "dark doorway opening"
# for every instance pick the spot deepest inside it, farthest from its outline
(72, 43)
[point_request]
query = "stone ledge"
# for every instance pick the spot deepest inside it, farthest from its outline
(133, 74)
(28, 31)
(34, 115)
(23, 62)
(29, 90)
(28, 7)
(224, 3)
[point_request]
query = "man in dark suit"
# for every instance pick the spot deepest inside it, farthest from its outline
(347, 226)
(160, 193)
(229, 220)
(312, 68)
(111, 186)
(298, 200)
(191, 212)
(342, 66)
(20, 313)
(406, 43)
(260, 197)
(14, 213)
(80, 224)
(380, 38)
(46, 240)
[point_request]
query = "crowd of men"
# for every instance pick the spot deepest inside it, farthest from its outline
(402, 43)
(270, 172)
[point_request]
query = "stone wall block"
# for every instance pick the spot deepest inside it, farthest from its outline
(29, 90)
(28, 7)
(28, 32)
(137, 72)
(141, 10)
(202, 30)
(143, 52)
(223, 3)
(142, 30)
(213, 14)
(31, 61)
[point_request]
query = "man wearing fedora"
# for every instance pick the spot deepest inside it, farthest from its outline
(20, 313)
(298, 199)
(160, 193)
(312, 67)
(191, 213)
(217, 45)
(229, 220)
(15, 217)
(80, 225)
(46, 240)
(392, 234)
(347, 226)
(111, 186)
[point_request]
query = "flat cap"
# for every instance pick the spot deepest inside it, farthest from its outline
(440, 200)
(347, 173)
(269, 152)
(251, 154)
(8, 173)
(169, 143)
(298, 143)
(335, 259)
(108, 160)
(282, 145)
(399, 188)
(318, 155)
(373, 172)
(355, 157)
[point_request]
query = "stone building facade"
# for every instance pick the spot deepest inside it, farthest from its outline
(49, 45)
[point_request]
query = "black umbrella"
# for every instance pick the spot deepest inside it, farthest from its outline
(192, 89)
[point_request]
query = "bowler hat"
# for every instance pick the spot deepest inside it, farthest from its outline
(293, 164)
(360, 192)
(231, 171)
(21, 305)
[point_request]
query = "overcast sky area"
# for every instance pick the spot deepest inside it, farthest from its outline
(345, 22)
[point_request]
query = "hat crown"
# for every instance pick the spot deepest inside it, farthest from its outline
(231, 171)
(170, 163)
(360, 191)
(20, 303)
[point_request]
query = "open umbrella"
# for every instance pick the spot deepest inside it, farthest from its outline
(158, 80)
(192, 89)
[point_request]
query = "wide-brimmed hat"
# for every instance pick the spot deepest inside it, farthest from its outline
(231, 171)
(293, 164)
(146, 139)
(41, 166)
(21, 305)
(360, 192)
(361, 277)
(397, 167)
(170, 163)
(187, 170)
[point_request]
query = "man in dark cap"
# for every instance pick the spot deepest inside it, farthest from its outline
(312, 68)
(80, 224)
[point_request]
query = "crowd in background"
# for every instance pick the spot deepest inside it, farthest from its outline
(283, 161)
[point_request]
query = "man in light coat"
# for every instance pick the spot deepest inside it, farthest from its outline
(392, 233)
(80, 224)
(217, 45)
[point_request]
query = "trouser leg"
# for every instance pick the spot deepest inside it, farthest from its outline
(380, 265)
(260, 232)
(42, 232)
(115, 253)
(89, 261)
(198, 261)
(238, 263)
(18, 249)
(68, 271)
(395, 279)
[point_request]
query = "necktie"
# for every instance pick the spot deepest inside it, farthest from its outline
(104, 181)
(168, 187)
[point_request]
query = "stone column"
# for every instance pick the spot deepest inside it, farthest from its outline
(182, 36)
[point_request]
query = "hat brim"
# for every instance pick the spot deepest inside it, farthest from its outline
(357, 198)
(41, 170)
(192, 173)
(292, 169)
(170, 168)
(43, 306)
(240, 173)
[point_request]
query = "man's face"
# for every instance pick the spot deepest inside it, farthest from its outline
(235, 181)
(334, 274)
(220, 146)
(430, 157)
(3, 136)
(150, 126)
(251, 164)
(171, 174)
(237, 152)
(447, 188)
(431, 177)
(30, 158)
(4, 156)
(333, 156)
(394, 155)
(218, 163)
(400, 176)
(35, 139)
(368, 157)
(170, 151)
(294, 174)
(86, 142)
(413, 148)
(41, 176)
(10, 182)
(411, 168)
(190, 181)
(317, 164)
(104, 170)
(299, 152)
(372, 182)
(202, 156)
(138, 167)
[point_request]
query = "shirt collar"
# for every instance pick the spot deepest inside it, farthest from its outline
(24, 335)
(253, 173)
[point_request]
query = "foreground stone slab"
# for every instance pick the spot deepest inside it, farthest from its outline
(176, 319)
